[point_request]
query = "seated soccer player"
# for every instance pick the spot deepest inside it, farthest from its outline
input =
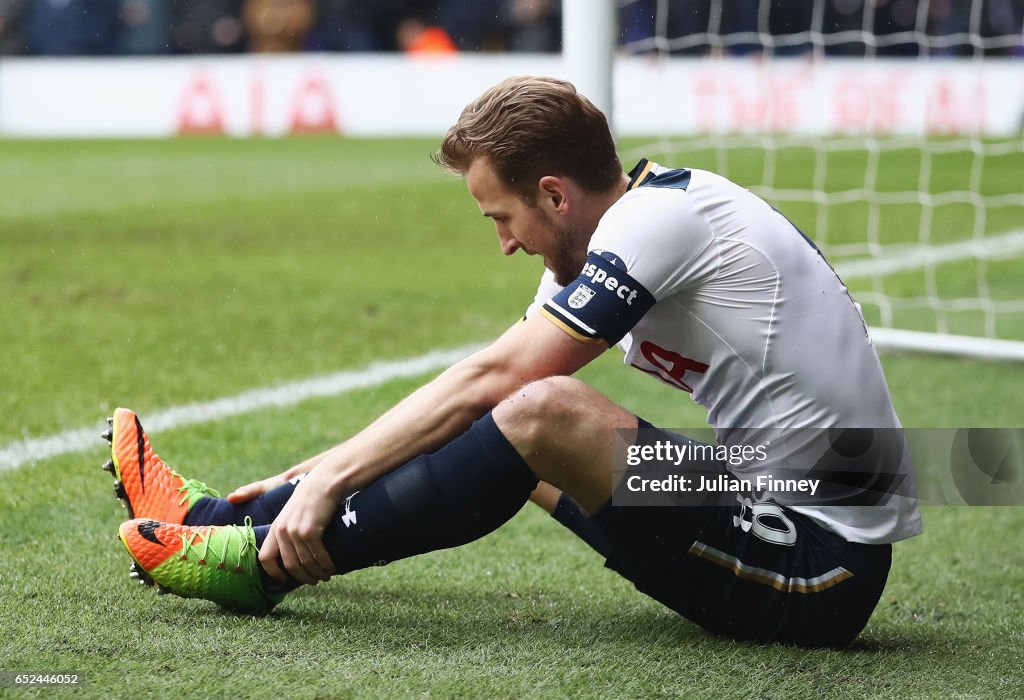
(700, 283)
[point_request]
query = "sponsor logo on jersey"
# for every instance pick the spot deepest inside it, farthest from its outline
(579, 298)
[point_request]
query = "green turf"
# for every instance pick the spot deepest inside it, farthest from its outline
(150, 274)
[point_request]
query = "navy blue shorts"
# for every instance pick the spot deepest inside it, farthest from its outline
(779, 577)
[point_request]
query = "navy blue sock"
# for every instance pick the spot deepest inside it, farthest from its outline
(262, 509)
(460, 493)
(570, 515)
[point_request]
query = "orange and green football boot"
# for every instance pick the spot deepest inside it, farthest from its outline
(147, 487)
(212, 562)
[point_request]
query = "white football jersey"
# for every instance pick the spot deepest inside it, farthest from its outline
(709, 289)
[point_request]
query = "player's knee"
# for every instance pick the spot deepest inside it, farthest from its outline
(532, 413)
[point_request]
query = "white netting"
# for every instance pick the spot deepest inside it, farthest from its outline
(926, 229)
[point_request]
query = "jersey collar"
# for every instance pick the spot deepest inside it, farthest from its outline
(640, 173)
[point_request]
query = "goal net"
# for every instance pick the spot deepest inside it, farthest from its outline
(890, 131)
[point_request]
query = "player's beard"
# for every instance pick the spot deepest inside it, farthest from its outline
(567, 256)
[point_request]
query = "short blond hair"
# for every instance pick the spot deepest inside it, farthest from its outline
(528, 127)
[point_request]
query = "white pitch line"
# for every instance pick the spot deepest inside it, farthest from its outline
(21, 452)
(916, 257)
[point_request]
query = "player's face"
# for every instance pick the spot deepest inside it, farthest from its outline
(533, 229)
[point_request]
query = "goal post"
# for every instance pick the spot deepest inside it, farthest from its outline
(895, 140)
(589, 39)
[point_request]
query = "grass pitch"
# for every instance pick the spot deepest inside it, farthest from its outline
(151, 274)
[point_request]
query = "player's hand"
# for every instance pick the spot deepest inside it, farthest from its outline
(296, 537)
(257, 488)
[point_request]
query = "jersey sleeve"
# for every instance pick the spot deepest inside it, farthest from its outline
(602, 304)
(648, 246)
(545, 290)
(663, 238)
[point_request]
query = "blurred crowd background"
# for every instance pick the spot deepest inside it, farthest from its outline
(155, 27)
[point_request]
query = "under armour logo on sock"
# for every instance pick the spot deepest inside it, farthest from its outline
(349, 516)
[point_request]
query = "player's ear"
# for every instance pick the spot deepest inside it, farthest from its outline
(553, 193)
